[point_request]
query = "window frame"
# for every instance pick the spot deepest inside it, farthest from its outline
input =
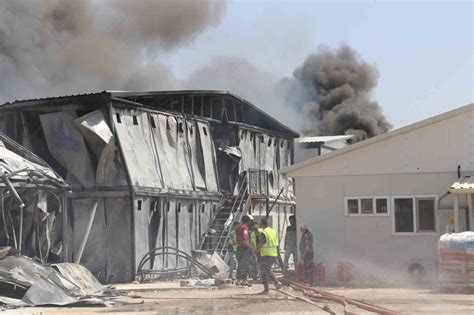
(374, 206)
(415, 214)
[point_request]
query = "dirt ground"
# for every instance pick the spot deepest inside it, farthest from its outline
(170, 298)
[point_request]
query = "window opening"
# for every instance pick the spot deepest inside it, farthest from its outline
(352, 206)
(367, 205)
(403, 214)
(381, 205)
(426, 215)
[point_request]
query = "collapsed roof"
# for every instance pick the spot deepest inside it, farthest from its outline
(18, 164)
(216, 106)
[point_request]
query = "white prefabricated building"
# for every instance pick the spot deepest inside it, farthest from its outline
(380, 205)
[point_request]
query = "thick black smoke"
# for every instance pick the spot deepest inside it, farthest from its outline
(57, 47)
(331, 89)
(54, 47)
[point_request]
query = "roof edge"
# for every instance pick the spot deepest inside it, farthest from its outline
(379, 138)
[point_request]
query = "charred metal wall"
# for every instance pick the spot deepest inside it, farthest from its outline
(156, 175)
(174, 222)
(269, 153)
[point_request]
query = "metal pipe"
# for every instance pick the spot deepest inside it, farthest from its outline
(22, 205)
(470, 211)
(20, 237)
(12, 189)
(456, 212)
(77, 258)
(38, 239)
(63, 203)
(276, 199)
(4, 220)
(13, 229)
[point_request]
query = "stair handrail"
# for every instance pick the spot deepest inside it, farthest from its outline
(235, 218)
(210, 225)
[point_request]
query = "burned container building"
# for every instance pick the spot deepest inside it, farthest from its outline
(155, 169)
(32, 199)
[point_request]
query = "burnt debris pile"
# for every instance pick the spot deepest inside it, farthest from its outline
(31, 203)
(26, 282)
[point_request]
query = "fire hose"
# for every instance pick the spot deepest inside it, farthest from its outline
(317, 294)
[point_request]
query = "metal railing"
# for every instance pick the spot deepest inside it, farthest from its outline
(170, 251)
(237, 211)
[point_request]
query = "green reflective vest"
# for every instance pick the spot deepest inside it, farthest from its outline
(271, 244)
(253, 238)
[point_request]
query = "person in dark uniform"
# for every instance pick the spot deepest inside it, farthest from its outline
(291, 243)
(307, 253)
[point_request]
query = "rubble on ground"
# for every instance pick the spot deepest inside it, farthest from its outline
(26, 282)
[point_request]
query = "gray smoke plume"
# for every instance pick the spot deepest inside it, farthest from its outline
(58, 46)
(331, 89)
(240, 76)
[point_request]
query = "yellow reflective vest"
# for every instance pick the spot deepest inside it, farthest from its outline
(253, 238)
(271, 244)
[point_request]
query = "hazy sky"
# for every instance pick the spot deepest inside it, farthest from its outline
(423, 51)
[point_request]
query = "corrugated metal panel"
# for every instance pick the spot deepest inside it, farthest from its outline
(52, 98)
(465, 185)
(86, 96)
(324, 139)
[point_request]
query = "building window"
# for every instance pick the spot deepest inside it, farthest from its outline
(381, 205)
(426, 215)
(366, 206)
(403, 215)
(353, 206)
(414, 214)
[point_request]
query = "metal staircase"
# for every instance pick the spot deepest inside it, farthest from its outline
(231, 210)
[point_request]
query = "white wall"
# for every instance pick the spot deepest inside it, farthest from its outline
(367, 242)
(439, 147)
(420, 160)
